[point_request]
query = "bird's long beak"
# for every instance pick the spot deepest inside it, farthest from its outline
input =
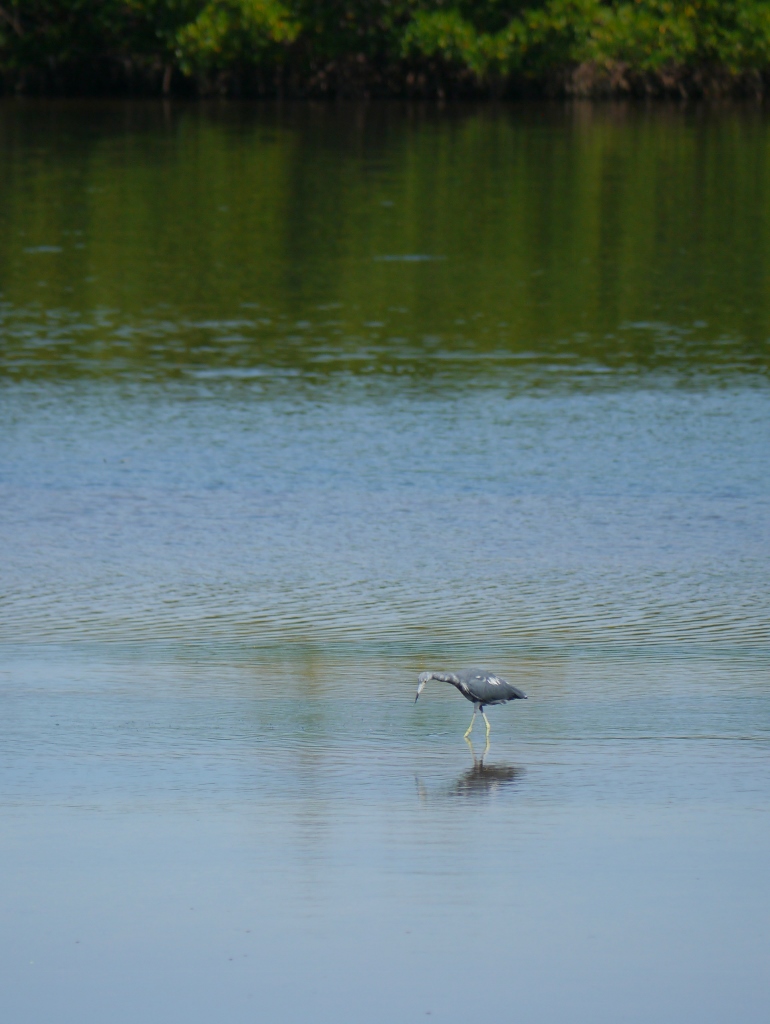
(420, 688)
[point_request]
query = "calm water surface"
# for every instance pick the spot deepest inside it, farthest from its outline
(300, 401)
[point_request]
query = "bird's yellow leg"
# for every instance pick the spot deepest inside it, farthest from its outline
(488, 725)
(470, 727)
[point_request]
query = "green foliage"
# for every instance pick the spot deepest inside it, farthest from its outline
(647, 36)
(345, 26)
(448, 36)
(561, 33)
(644, 35)
(537, 39)
(478, 40)
(230, 33)
(733, 34)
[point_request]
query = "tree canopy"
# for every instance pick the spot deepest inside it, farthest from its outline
(385, 47)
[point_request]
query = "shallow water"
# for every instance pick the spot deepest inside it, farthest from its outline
(300, 401)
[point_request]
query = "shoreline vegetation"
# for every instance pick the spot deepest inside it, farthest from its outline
(378, 48)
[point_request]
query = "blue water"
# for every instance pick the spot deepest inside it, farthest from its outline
(229, 541)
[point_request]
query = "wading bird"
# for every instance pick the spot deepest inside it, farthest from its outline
(479, 687)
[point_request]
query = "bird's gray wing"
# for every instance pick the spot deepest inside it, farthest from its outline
(489, 688)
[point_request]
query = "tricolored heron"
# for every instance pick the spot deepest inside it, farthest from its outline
(480, 687)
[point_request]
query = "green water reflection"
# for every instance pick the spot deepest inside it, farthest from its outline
(144, 239)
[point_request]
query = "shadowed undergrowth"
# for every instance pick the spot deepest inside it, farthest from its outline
(386, 47)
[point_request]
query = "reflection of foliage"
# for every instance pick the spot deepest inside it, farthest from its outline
(602, 200)
(475, 40)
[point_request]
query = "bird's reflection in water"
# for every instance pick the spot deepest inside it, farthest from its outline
(479, 781)
(484, 779)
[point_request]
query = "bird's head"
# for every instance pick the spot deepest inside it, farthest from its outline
(422, 679)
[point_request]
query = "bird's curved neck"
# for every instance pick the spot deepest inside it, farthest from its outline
(445, 677)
